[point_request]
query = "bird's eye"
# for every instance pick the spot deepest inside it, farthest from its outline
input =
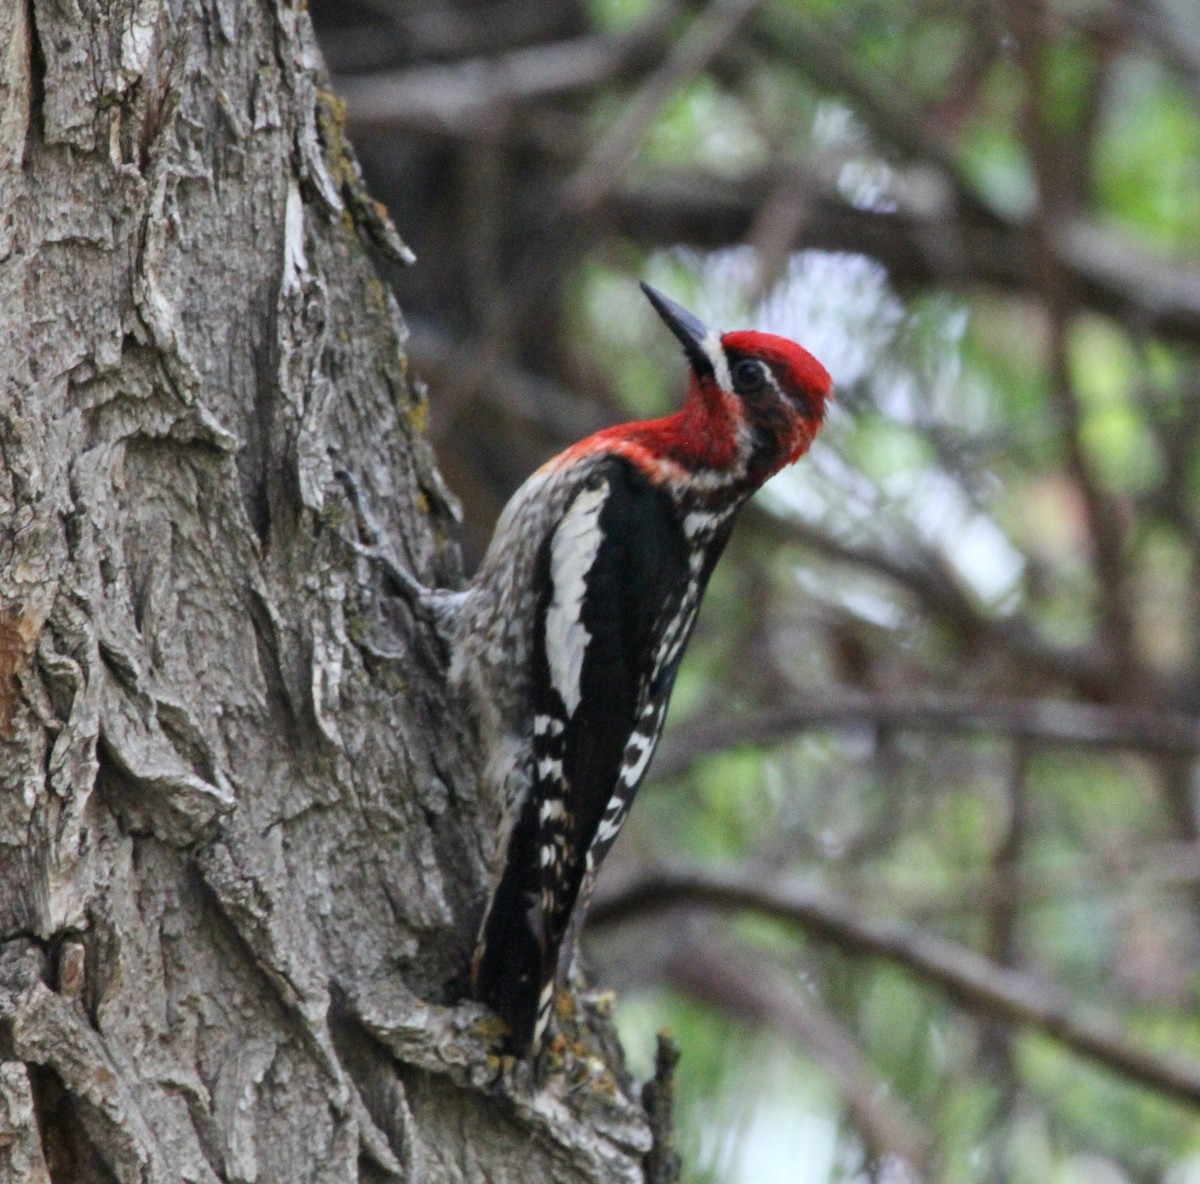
(749, 375)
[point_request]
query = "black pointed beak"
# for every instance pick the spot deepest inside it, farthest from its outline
(688, 327)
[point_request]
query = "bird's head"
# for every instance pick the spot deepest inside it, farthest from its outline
(754, 403)
(764, 390)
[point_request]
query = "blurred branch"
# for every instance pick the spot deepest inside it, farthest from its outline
(929, 577)
(971, 980)
(467, 95)
(743, 983)
(1045, 721)
(610, 158)
(1002, 914)
(995, 1051)
(1157, 868)
(1177, 783)
(919, 568)
(463, 372)
(1059, 167)
(1177, 776)
(1175, 41)
(1106, 274)
(787, 34)
(405, 32)
(1176, 430)
(778, 224)
(1113, 275)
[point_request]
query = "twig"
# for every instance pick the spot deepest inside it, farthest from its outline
(662, 1163)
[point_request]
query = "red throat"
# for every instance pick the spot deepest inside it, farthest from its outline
(704, 432)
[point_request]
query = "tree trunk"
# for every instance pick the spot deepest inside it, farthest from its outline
(242, 853)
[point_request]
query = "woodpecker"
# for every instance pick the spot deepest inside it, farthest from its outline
(567, 641)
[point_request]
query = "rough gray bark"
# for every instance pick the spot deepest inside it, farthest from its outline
(241, 852)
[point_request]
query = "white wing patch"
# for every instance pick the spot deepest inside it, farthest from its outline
(572, 553)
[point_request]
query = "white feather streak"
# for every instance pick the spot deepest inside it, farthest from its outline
(572, 554)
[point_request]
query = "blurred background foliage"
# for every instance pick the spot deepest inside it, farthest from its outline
(915, 881)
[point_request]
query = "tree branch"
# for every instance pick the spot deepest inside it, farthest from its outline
(1044, 721)
(971, 980)
(454, 99)
(1058, 167)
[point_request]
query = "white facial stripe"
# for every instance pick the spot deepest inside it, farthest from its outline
(572, 553)
(772, 381)
(716, 354)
